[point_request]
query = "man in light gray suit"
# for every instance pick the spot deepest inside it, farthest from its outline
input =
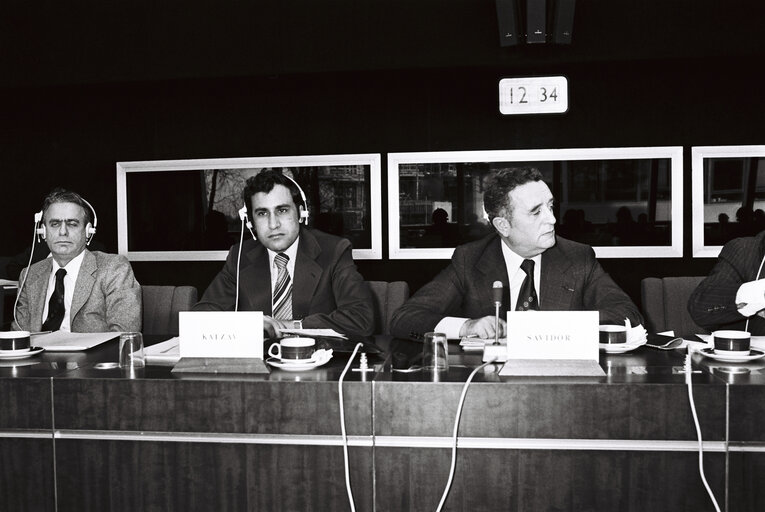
(76, 290)
(523, 254)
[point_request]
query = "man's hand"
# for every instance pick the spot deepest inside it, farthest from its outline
(273, 327)
(482, 327)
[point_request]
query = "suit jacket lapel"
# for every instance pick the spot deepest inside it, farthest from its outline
(255, 282)
(556, 286)
(491, 267)
(307, 274)
(84, 285)
(38, 288)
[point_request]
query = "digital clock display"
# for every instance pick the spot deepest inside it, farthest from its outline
(534, 95)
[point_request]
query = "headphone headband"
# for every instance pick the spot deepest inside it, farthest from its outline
(89, 231)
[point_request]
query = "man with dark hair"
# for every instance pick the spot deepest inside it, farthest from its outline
(75, 289)
(298, 277)
(537, 270)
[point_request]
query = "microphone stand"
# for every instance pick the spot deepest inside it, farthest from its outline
(496, 323)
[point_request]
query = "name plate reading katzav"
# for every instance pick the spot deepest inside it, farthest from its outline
(221, 334)
(533, 95)
(552, 335)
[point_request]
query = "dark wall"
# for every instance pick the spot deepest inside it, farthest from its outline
(70, 130)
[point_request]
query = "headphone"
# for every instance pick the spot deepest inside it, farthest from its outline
(90, 229)
(304, 214)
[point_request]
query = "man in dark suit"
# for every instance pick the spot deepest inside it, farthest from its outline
(298, 277)
(733, 295)
(75, 289)
(525, 256)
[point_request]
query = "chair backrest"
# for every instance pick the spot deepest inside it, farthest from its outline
(387, 298)
(161, 305)
(665, 304)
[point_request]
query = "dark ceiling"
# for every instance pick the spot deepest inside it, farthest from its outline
(55, 43)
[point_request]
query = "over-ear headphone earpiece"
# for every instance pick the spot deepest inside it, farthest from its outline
(90, 230)
(246, 221)
(39, 226)
(304, 211)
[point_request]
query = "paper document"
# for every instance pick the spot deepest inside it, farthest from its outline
(166, 353)
(64, 341)
(314, 332)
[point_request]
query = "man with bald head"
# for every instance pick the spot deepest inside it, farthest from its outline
(538, 270)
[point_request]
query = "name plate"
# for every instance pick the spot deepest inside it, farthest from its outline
(552, 335)
(237, 334)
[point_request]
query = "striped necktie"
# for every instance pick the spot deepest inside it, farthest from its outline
(282, 305)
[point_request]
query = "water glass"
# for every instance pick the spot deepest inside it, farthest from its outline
(435, 352)
(131, 350)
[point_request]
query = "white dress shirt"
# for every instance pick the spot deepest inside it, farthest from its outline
(451, 325)
(70, 279)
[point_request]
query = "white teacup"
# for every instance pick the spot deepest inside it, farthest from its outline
(293, 349)
(14, 340)
(735, 343)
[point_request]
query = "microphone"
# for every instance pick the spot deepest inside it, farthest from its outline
(496, 294)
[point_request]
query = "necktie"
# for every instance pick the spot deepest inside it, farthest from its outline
(282, 305)
(527, 298)
(56, 304)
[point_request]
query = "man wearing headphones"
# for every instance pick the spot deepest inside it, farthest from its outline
(298, 277)
(75, 289)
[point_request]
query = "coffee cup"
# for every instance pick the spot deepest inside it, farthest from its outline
(14, 340)
(732, 342)
(293, 349)
(613, 333)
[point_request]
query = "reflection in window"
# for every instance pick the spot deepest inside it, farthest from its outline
(734, 198)
(599, 202)
(179, 210)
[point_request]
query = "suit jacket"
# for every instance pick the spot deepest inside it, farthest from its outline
(327, 290)
(106, 296)
(571, 280)
(713, 304)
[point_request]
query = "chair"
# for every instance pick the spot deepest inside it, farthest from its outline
(387, 298)
(665, 304)
(161, 305)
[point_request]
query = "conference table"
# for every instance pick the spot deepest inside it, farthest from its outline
(76, 436)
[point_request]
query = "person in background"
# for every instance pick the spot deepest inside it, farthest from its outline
(75, 289)
(297, 276)
(537, 269)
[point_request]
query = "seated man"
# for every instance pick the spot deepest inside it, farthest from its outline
(298, 277)
(75, 289)
(537, 270)
(733, 295)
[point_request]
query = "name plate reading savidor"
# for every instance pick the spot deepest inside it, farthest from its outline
(533, 95)
(555, 335)
(221, 334)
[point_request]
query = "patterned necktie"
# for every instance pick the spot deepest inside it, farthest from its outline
(56, 307)
(527, 298)
(282, 305)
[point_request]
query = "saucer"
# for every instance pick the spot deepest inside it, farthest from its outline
(621, 348)
(20, 354)
(319, 358)
(729, 358)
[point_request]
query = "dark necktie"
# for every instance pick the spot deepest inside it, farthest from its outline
(282, 309)
(56, 304)
(527, 298)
